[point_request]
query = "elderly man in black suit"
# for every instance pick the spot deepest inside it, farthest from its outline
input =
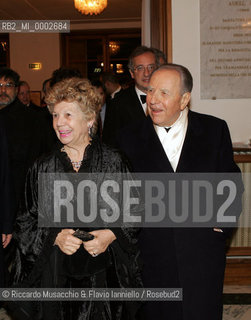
(174, 139)
(24, 95)
(130, 105)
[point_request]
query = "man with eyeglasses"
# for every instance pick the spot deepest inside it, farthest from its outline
(8, 92)
(130, 105)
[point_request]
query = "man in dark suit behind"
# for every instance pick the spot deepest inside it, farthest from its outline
(6, 200)
(130, 105)
(111, 84)
(174, 139)
(28, 135)
(24, 96)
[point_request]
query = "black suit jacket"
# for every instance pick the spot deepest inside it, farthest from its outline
(193, 259)
(123, 110)
(207, 146)
(6, 214)
(6, 196)
(29, 136)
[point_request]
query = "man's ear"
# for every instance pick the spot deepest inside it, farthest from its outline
(131, 73)
(185, 100)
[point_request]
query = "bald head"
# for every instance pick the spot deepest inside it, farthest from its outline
(24, 93)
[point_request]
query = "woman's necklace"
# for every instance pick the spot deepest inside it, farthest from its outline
(75, 164)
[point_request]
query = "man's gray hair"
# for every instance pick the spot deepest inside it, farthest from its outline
(138, 52)
(185, 76)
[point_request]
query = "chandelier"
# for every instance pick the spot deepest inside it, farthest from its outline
(114, 47)
(90, 6)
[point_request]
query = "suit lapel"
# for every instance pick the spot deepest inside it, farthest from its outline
(192, 150)
(155, 156)
(135, 108)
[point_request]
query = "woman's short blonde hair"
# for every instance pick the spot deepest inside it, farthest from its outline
(76, 90)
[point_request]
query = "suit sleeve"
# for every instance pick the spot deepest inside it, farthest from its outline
(117, 171)
(226, 159)
(111, 124)
(227, 164)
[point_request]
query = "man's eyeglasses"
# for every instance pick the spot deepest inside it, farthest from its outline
(141, 68)
(7, 85)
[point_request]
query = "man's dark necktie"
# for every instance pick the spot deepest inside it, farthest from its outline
(143, 98)
(167, 129)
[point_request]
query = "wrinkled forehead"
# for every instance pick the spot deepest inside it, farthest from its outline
(165, 79)
(65, 105)
(144, 59)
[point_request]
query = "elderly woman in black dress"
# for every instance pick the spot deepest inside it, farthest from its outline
(50, 257)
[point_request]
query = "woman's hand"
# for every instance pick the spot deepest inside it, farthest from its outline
(67, 242)
(103, 238)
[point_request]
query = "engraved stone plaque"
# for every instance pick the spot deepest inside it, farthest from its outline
(225, 49)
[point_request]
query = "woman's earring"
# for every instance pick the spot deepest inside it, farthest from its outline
(90, 130)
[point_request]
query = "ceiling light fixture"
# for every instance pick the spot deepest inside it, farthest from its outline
(114, 47)
(90, 6)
